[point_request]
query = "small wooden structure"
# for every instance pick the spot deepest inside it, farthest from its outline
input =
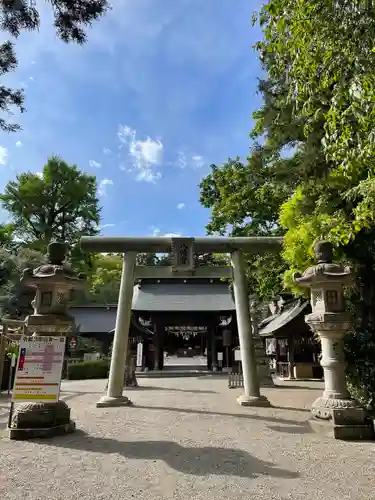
(290, 344)
(11, 330)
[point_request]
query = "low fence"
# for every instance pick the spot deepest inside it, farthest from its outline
(235, 380)
(282, 370)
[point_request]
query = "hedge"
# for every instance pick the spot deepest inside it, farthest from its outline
(88, 369)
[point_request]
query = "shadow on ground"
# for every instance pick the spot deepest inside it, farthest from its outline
(195, 461)
(247, 416)
(168, 389)
(285, 425)
(297, 387)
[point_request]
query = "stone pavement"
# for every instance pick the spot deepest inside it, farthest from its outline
(187, 439)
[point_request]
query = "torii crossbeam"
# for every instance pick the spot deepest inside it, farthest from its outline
(183, 251)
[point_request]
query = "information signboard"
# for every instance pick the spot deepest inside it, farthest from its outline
(39, 368)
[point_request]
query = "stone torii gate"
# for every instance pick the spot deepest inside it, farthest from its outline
(183, 251)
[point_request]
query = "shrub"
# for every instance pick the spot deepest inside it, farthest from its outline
(88, 370)
(360, 372)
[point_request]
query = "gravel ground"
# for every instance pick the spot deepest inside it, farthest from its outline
(186, 438)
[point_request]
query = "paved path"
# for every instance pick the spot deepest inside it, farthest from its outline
(187, 439)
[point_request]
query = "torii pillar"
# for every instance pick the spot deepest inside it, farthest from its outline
(183, 251)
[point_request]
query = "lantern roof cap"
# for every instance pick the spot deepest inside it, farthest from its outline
(55, 269)
(324, 271)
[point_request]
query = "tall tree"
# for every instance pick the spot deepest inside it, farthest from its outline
(15, 299)
(245, 197)
(71, 17)
(319, 59)
(59, 204)
(325, 52)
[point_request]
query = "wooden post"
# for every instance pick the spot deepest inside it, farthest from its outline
(291, 356)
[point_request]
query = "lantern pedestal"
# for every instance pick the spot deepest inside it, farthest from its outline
(41, 420)
(334, 413)
(53, 283)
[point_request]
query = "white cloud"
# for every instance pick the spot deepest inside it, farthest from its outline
(186, 160)
(157, 232)
(145, 156)
(180, 206)
(103, 226)
(107, 151)
(94, 164)
(3, 155)
(197, 161)
(18, 144)
(181, 159)
(102, 189)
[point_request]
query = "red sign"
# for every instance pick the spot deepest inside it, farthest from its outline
(21, 362)
(73, 343)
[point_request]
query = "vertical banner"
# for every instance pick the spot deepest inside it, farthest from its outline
(139, 354)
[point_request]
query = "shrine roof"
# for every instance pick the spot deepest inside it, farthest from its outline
(94, 318)
(193, 296)
(280, 322)
(183, 297)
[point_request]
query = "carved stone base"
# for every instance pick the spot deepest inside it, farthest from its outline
(245, 400)
(42, 433)
(322, 407)
(346, 424)
(41, 420)
(108, 402)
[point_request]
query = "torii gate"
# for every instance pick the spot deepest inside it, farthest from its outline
(183, 265)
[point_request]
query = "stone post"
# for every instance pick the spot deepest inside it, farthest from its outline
(331, 323)
(115, 387)
(54, 282)
(251, 396)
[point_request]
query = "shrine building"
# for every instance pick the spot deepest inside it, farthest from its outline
(171, 316)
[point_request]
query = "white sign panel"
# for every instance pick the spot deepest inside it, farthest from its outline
(139, 354)
(13, 361)
(91, 356)
(220, 356)
(39, 368)
(237, 355)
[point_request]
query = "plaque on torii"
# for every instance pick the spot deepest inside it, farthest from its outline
(183, 251)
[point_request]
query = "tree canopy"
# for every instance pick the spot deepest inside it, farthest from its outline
(71, 18)
(326, 54)
(61, 203)
(313, 174)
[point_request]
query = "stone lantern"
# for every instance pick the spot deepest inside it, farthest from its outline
(53, 283)
(331, 323)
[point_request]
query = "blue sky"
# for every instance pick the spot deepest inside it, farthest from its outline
(161, 90)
